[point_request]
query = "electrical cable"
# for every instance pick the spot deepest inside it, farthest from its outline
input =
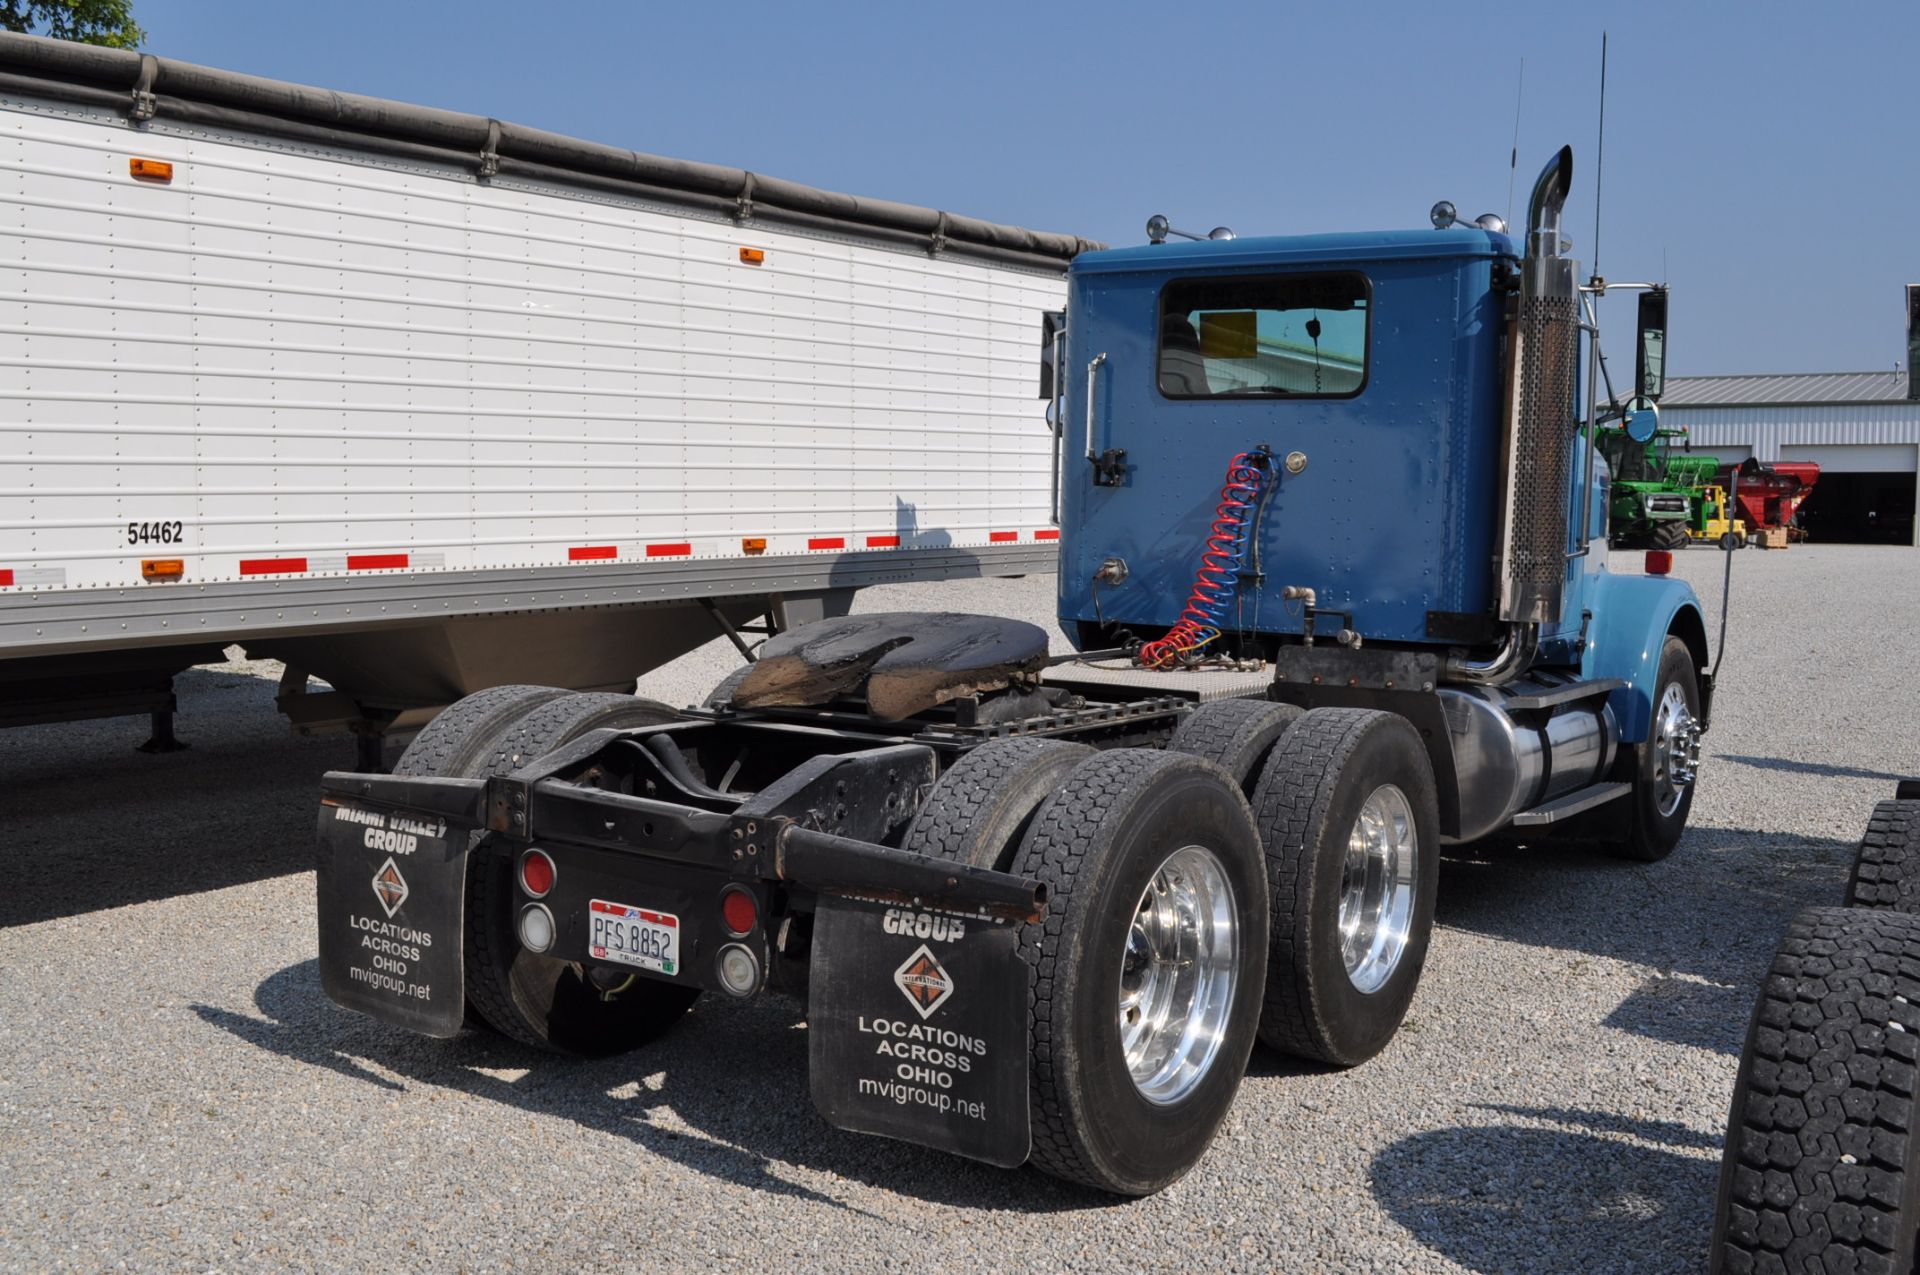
(1218, 578)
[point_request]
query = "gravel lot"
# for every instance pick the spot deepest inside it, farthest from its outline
(175, 1092)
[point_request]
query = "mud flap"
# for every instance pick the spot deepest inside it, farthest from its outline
(392, 888)
(918, 1028)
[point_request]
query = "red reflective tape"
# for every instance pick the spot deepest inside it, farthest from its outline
(375, 561)
(669, 551)
(1001, 537)
(1050, 533)
(827, 542)
(271, 566)
(883, 542)
(6, 578)
(586, 553)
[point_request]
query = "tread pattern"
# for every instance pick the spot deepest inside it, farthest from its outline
(1290, 808)
(992, 792)
(1055, 850)
(1886, 871)
(1819, 1171)
(444, 747)
(549, 725)
(1235, 734)
(722, 693)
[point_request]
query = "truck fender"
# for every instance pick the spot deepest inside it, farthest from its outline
(1632, 618)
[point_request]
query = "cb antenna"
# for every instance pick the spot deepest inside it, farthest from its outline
(1513, 156)
(1599, 154)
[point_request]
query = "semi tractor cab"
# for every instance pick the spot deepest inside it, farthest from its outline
(1331, 538)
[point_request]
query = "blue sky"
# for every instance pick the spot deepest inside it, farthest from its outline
(1768, 154)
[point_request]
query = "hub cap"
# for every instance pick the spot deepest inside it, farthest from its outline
(1376, 888)
(1676, 749)
(1178, 974)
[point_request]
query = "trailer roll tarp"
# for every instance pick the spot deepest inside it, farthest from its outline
(147, 87)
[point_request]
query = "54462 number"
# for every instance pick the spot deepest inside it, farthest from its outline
(155, 533)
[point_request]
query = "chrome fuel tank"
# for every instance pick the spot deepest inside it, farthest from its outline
(1522, 744)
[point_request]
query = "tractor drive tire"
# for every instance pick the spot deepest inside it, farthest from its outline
(1146, 970)
(1350, 817)
(1886, 871)
(448, 746)
(1646, 824)
(983, 804)
(722, 695)
(535, 999)
(1821, 1170)
(1235, 734)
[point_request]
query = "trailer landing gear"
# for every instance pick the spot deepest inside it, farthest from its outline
(162, 740)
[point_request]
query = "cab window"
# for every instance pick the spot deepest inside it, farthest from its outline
(1276, 336)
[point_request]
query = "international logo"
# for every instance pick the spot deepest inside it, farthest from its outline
(390, 887)
(923, 981)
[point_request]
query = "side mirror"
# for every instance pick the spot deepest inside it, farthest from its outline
(1052, 323)
(1651, 368)
(1642, 420)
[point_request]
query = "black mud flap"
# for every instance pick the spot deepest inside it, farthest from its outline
(918, 1028)
(392, 887)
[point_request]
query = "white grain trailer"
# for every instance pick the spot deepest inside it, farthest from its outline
(421, 402)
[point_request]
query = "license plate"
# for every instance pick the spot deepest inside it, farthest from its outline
(626, 935)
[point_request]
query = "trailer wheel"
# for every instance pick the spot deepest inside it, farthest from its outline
(1147, 969)
(535, 999)
(1665, 764)
(1886, 871)
(984, 803)
(1235, 734)
(1821, 1170)
(1349, 812)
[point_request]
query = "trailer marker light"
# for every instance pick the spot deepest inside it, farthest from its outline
(739, 970)
(151, 170)
(753, 544)
(162, 568)
(1659, 561)
(536, 873)
(536, 928)
(752, 256)
(738, 911)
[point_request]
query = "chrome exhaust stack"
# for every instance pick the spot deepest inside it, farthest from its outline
(1543, 352)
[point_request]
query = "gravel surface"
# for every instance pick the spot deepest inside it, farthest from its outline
(175, 1093)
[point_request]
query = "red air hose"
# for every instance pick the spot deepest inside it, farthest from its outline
(1218, 578)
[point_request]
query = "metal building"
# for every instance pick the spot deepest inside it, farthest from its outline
(1862, 428)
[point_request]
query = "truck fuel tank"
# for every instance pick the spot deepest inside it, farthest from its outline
(1525, 743)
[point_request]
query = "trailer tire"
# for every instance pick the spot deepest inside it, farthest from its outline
(1331, 767)
(1128, 820)
(1650, 833)
(539, 1000)
(983, 804)
(1821, 1167)
(1886, 870)
(1236, 735)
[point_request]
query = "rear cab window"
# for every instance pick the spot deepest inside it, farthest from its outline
(1265, 336)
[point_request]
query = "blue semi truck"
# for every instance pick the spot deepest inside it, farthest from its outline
(1331, 554)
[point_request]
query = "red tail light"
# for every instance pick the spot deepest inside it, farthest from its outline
(1659, 561)
(536, 873)
(737, 910)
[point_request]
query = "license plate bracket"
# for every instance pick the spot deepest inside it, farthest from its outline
(918, 1028)
(392, 892)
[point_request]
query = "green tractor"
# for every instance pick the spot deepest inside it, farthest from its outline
(1660, 495)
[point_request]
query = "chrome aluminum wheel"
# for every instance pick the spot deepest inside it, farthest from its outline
(1377, 888)
(1178, 974)
(1676, 749)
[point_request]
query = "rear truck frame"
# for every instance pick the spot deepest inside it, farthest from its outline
(1040, 908)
